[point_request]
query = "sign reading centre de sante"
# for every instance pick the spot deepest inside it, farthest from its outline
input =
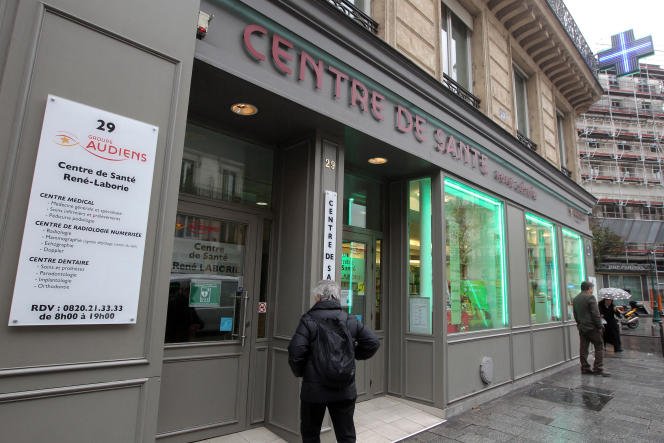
(82, 252)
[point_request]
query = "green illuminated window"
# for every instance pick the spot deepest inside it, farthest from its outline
(475, 259)
(575, 269)
(542, 270)
(420, 258)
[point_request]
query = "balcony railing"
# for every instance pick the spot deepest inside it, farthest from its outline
(525, 141)
(350, 10)
(566, 19)
(460, 91)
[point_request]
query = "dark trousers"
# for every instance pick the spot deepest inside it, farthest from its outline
(341, 412)
(594, 337)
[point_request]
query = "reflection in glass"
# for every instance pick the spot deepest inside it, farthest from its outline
(631, 282)
(362, 202)
(353, 278)
(542, 270)
(220, 167)
(265, 259)
(475, 259)
(206, 273)
(574, 267)
(420, 258)
(379, 287)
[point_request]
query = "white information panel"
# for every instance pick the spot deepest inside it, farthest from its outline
(329, 235)
(82, 252)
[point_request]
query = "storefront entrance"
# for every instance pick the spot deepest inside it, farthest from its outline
(361, 295)
(210, 328)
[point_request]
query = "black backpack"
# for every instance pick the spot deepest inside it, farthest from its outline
(333, 351)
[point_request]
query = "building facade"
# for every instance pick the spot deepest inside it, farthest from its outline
(621, 155)
(421, 153)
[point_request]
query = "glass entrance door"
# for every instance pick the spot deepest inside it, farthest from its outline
(214, 281)
(361, 295)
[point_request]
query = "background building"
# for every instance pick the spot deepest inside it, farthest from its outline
(621, 149)
(463, 251)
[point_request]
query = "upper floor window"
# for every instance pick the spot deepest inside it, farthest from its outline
(357, 10)
(613, 82)
(560, 126)
(646, 106)
(456, 26)
(521, 102)
(615, 103)
(362, 5)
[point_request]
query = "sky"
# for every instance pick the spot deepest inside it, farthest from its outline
(598, 20)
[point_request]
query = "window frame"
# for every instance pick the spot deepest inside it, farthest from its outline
(468, 191)
(537, 220)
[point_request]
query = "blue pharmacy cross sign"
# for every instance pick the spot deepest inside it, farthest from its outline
(625, 53)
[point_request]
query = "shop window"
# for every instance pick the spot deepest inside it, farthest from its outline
(220, 167)
(521, 102)
(542, 270)
(574, 265)
(362, 202)
(207, 267)
(475, 260)
(456, 25)
(420, 257)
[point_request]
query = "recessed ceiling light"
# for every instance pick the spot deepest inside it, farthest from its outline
(377, 160)
(261, 203)
(244, 109)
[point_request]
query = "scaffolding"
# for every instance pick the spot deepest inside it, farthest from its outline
(621, 146)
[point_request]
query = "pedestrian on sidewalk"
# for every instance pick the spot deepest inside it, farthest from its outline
(589, 324)
(611, 328)
(323, 351)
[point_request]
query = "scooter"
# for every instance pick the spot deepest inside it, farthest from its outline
(629, 318)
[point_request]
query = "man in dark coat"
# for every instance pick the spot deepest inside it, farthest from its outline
(589, 324)
(316, 394)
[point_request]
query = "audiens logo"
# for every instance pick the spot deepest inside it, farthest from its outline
(100, 147)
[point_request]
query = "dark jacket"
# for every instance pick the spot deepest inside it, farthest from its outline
(586, 313)
(299, 350)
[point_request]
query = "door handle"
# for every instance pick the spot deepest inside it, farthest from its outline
(245, 298)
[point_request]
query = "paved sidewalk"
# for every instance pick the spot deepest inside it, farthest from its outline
(568, 406)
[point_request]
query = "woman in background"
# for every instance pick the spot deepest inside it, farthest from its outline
(611, 327)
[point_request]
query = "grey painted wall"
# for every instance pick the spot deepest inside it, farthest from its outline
(94, 53)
